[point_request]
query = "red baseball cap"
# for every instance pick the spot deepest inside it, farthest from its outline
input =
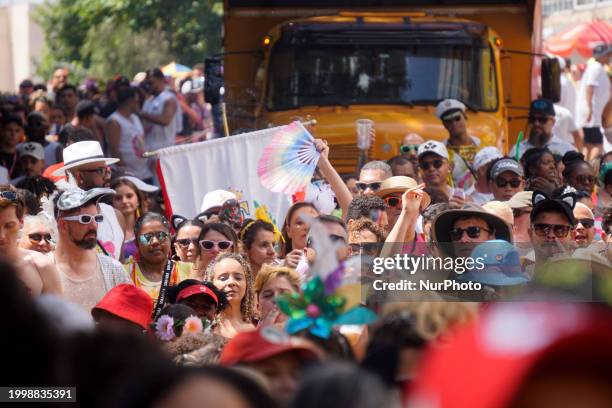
(485, 364)
(197, 290)
(263, 343)
(128, 302)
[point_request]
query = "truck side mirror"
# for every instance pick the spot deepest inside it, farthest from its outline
(213, 74)
(551, 79)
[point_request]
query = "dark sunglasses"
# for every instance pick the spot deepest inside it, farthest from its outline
(559, 230)
(425, 165)
(8, 195)
(184, 242)
(393, 201)
(40, 237)
(209, 245)
(375, 186)
(370, 248)
(586, 222)
(101, 171)
(405, 149)
(501, 183)
(539, 119)
(147, 238)
(472, 232)
(452, 118)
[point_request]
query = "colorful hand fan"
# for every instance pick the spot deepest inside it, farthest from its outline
(289, 160)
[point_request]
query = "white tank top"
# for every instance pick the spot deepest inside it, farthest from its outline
(110, 233)
(132, 145)
(160, 136)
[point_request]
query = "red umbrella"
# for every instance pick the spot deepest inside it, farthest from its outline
(582, 38)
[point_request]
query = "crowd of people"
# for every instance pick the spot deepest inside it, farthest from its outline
(134, 307)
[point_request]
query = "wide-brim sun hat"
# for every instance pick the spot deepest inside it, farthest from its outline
(442, 224)
(399, 184)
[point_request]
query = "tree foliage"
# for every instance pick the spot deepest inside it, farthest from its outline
(104, 37)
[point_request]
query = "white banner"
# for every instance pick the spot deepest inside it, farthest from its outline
(230, 163)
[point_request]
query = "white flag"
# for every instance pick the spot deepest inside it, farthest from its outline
(189, 171)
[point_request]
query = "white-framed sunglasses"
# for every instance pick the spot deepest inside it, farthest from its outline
(86, 218)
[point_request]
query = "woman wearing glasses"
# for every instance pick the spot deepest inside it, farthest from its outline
(215, 238)
(37, 234)
(153, 271)
(128, 200)
(231, 274)
(187, 238)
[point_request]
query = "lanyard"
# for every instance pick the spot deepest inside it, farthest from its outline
(161, 299)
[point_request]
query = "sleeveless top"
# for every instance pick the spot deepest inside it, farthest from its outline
(180, 272)
(110, 233)
(160, 136)
(132, 145)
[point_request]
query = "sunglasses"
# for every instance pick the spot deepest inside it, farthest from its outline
(586, 222)
(559, 230)
(452, 118)
(405, 149)
(393, 201)
(86, 218)
(101, 171)
(375, 186)
(370, 248)
(221, 245)
(333, 237)
(501, 183)
(539, 119)
(147, 238)
(425, 165)
(184, 242)
(472, 232)
(40, 237)
(582, 179)
(8, 195)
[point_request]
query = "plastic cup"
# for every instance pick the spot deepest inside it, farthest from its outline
(364, 126)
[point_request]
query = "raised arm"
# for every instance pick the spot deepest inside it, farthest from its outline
(167, 115)
(343, 195)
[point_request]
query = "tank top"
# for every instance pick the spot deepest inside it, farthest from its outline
(160, 136)
(110, 233)
(132, 145)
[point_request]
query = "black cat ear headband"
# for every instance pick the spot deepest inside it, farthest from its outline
(177, 221)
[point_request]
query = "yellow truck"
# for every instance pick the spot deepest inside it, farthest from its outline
(389, 61)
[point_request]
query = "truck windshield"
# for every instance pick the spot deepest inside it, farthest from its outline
(373, 74)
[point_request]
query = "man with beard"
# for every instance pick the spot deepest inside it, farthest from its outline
(540, 130)
(86, 275)
(551, 223)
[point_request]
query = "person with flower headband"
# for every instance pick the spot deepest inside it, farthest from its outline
(152, 271)
(177, 320)
(128, 200)
(231, 274)
(215, 238)
(35, 270)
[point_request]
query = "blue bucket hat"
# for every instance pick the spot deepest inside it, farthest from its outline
(502, 265)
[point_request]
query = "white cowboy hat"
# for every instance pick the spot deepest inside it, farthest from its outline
(80, 153)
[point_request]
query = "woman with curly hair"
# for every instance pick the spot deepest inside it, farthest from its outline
(231, 274)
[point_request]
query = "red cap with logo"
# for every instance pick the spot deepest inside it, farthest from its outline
(197, 290)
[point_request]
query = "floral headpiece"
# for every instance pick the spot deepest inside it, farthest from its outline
(328, 298)
(166, 329)
(262, 214)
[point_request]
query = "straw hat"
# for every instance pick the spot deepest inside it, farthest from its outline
(399, 184)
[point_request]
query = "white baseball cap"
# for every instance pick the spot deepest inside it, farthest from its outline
(448, 105)
(31, 149)
(485, 156)
(216, 198)
(433, 146)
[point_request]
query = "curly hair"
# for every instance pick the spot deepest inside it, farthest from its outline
(269, 272)
(247, 303)
(365, 224)
(362, 206)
